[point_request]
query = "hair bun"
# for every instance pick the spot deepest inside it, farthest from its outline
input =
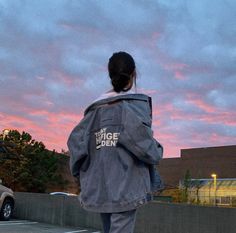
(120, 81)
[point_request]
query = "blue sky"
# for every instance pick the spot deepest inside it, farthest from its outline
(54, 54)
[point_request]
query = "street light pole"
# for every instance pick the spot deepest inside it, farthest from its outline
(214, 177)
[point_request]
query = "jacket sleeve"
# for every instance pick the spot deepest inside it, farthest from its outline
(137, 137)
(78, 149)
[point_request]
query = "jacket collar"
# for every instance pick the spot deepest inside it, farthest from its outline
(138, 97)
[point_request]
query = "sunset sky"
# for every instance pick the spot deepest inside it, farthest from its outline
(54, 54)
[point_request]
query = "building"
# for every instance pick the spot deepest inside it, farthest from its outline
(201, 163)
(206, 191)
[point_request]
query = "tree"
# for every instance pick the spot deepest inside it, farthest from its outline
(26, 165)
(186, 186)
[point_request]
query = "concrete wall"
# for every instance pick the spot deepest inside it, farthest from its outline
(153, 218)
(60, 210)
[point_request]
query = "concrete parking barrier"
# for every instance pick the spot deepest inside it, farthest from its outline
(153, 218)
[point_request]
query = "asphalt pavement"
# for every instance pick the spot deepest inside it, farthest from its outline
(25, 226)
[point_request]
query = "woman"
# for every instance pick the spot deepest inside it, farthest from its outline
(113, 152)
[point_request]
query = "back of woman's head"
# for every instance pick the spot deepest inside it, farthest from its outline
(121, 69)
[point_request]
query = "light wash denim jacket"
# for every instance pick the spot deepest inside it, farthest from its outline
(113, 154)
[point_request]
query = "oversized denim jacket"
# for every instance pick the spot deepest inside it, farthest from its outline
(114, 155)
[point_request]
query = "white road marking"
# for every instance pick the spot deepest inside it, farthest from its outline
(28, 222)
(75, 231)
(17, 223)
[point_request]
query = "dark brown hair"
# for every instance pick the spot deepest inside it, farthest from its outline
(121, 67)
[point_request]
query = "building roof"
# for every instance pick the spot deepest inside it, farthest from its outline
(209, 183)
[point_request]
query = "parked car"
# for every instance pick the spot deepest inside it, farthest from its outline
(63, 194)
(7, 202)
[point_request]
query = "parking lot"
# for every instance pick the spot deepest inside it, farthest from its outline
(25, 226)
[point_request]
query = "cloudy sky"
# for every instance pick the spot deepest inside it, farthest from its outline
(54, 54)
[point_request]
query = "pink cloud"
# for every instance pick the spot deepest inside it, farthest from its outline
(170, 122)
(80, 28)
(174, 66)
(146, 91)
(149, 41)
(64, 78)
(179, 75)
(53, 133)
(53, 128)
(170, 141)
(199, 103)
(210, 114)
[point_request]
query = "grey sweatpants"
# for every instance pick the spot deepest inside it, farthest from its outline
(122, 222)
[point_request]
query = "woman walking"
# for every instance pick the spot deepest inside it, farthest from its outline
(113, 152)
